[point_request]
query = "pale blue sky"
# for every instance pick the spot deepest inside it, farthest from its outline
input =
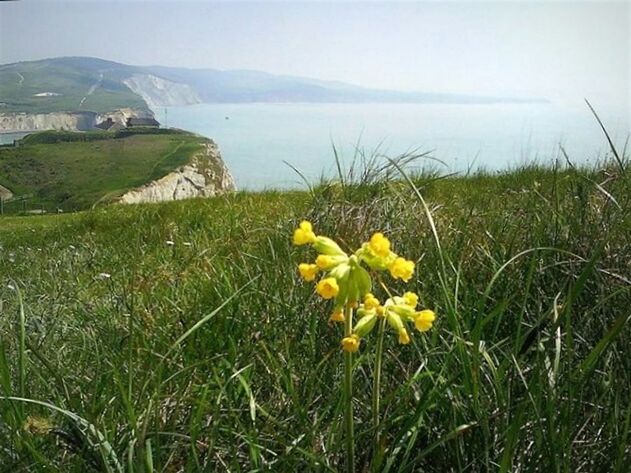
(560, 50)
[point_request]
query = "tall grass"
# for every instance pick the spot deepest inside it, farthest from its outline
(177, 337)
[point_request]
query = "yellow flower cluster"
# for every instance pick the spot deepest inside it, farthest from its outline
(346, 281)
(396, 310)
(378, 255)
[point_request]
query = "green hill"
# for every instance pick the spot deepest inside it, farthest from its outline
(179, 336)
(82, 84)
(76, 170)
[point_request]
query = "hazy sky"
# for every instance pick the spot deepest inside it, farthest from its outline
(560, 50)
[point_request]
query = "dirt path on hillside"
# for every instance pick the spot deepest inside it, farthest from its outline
(94, 86)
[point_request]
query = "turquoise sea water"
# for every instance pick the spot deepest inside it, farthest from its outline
(256, 139)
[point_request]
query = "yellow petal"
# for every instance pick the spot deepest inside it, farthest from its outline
(308, 271)
(328, 288)
(402, 269)
(424, 320)
(350, 344)
(379, 245)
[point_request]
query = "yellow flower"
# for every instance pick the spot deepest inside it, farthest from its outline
(404, 338)
(379, 245)
(401, 269)
(328, 288)
(308, 271)
(424, 320)
(337, 316)
(371, 302)
(410, 299)
(304, 234)
(350, 344)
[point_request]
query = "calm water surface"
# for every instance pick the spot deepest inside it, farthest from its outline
(256, 139)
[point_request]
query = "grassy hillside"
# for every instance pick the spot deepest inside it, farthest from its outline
(76, 170)
(183, 335)
(83, 84)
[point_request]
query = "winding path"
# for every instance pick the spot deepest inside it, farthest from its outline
(92, 89)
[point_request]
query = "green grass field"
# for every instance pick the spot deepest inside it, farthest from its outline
(58, 172)
(178, 337)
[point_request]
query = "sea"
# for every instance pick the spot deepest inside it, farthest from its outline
(268, 146)
(279, 146)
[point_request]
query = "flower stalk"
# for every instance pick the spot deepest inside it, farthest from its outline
(348, 394)
(376, 387)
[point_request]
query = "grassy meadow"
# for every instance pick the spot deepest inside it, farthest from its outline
(179, 338)
(74, 171)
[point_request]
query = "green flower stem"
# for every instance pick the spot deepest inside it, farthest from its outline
(348, 394)
(376, 385)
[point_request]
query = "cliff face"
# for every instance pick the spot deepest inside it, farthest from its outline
(70, 121)
(158, 92)
(205, 176)
(74, 121)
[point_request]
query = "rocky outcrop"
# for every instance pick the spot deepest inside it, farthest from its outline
(206, 175)
(73, 121)
(158, 92)
(121, 115)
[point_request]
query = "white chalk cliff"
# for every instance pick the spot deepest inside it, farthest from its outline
(73, 121)
(158, 92)
(206, 175)
(69, 121)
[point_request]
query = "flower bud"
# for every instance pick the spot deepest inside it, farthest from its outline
(326, 246)
(365, 324)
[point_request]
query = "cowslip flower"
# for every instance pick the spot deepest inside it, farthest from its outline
(328, 288)
(379, 245)
(346, 280)
(304, 234)
(401, 268)
(351, 344)
(424, 320)
(307, 271)
(378, 256)
(396, 310)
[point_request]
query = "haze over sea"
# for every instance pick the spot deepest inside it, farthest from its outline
(257, 139)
